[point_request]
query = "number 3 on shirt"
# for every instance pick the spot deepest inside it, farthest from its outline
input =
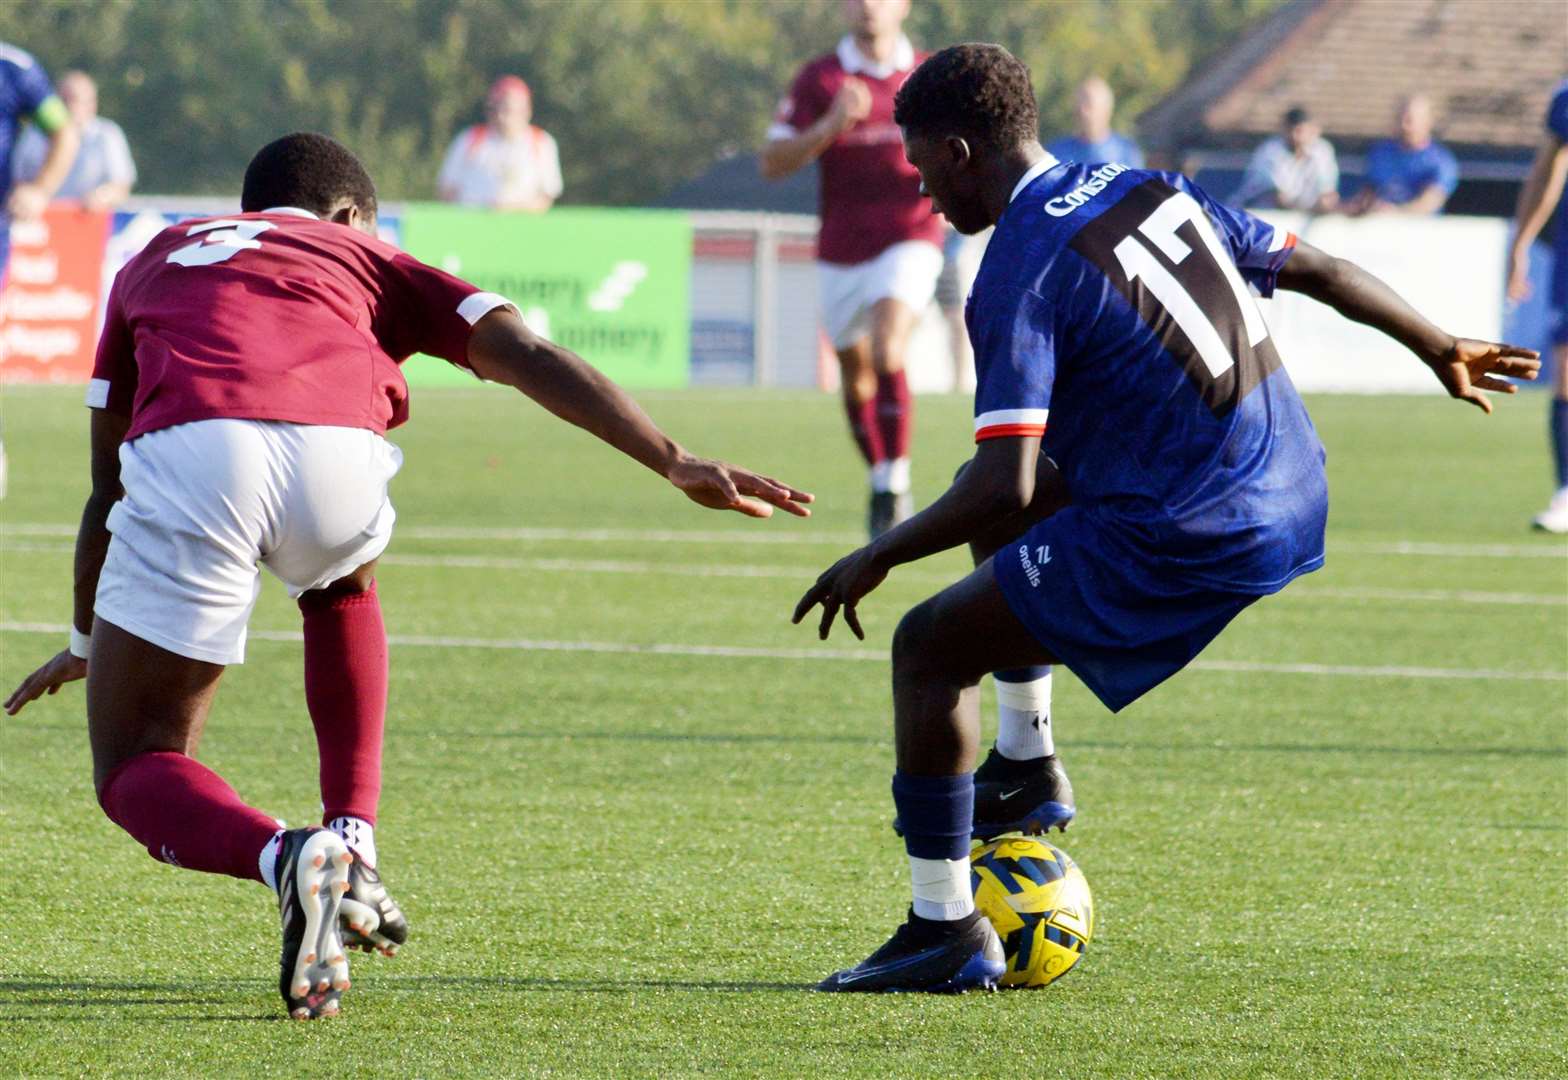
(223, 240)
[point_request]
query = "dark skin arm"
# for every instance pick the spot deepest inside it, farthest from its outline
(998, 483)
(502, 349)
(1465, 367)
(92, 544)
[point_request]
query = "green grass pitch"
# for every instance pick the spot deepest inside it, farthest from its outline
(635, 863)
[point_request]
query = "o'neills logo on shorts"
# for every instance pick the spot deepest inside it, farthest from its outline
(1042, 555)
(1063, 205)
(1031, 571)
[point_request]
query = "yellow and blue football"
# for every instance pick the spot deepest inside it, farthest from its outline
(1038, 901)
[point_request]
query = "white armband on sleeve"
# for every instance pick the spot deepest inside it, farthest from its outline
(477, 305)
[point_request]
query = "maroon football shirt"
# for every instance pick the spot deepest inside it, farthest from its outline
(274, 316)
(869, 196)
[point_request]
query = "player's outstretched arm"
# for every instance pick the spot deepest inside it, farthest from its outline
(1465, 367)
(997, 484)
(92, 544)
(502, 349)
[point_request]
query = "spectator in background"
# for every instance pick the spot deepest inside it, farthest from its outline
(505, 163)
(1095, 143)
(103, 173)
(1409, 174)
(1292, 171)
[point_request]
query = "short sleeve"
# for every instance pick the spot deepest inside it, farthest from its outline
(1557, 113)
(1258, 249)
(35, 96)
(1014, 339)
(121, 166)
(804, 105)
(549, 166)
(425, 310)
(450, 179)
(1445, 172)
(1132, 154)
(113, 382)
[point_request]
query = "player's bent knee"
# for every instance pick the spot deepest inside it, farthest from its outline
(915, 648)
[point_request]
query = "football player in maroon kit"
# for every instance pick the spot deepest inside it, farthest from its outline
(879, 250)
(247, 373)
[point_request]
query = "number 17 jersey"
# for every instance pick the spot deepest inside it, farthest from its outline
(1113, 316)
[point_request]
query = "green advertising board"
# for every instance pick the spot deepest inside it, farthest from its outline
(611, 285)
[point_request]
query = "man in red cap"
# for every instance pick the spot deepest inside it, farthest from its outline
(506, 163)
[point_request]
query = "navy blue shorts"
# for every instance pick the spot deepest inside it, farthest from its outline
(1117, 624)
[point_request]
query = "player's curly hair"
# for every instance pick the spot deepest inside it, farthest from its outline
(974, 90)
(309, 171)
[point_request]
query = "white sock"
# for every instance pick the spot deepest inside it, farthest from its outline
(358, 834)
(1023, 725)
(267, 861)
(941, 888)
(891, 476)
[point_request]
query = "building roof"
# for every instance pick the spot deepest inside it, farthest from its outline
(1489, 67)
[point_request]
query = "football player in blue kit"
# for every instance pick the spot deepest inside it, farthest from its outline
(1144, 470)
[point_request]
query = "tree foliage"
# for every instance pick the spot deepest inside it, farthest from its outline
(640, 94)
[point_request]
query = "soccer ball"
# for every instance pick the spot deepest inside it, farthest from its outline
(1039, 903)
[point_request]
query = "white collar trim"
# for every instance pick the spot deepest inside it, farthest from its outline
(1045, 164)
(292, 211)
(854, 62)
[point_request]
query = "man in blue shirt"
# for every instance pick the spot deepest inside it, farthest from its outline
(1095, 143)
(1410, 174)
(1144, 471)
(1544, 189)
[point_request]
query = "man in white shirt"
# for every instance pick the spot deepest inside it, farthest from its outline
(1293, 171)
(103, 173)
(505, 163)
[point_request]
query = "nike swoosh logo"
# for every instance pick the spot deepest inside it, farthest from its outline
(1004, 796)
(856, 974)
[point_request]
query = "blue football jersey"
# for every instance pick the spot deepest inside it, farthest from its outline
(1112, 315)
(24, 87)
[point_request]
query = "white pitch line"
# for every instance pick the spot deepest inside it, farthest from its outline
(437, 641)
(804, 574)
(766, 534)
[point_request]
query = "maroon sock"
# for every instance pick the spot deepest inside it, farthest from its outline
(863, 428)
(894, 412)
(346, 693)
(186, 814)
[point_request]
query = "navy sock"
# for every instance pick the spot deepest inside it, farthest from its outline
(1022, 674)
(1560, 439)
(936, 814)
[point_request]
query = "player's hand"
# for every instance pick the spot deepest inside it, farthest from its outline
(852, 103)
(62, 668)
(1518, 276)
(1470, 367)
(27, 202)
(841, 587)
(721, 486)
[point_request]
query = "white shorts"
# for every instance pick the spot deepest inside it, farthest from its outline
(906, 272)
(206, 501)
